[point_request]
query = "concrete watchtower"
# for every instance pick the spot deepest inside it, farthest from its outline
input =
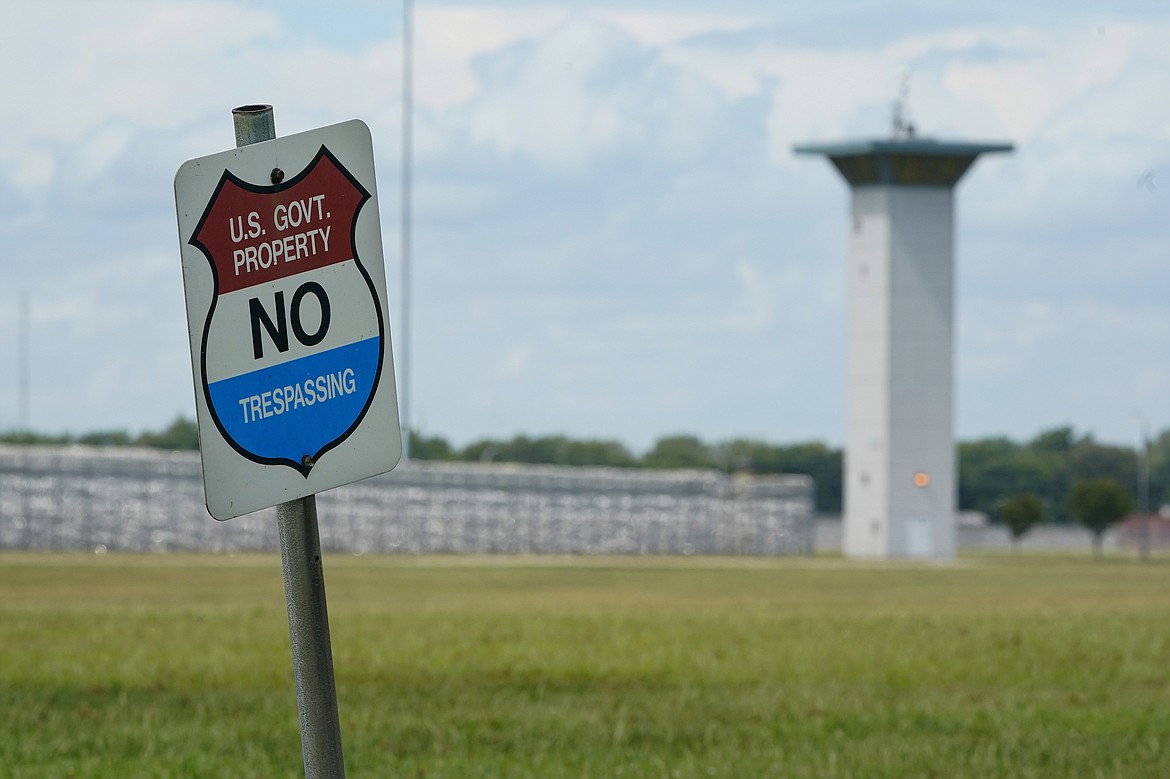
(901, 479)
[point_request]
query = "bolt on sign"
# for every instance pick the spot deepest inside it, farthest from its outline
(288, 318)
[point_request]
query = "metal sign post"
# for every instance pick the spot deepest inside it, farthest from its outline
(304, 578)
(288, 322)
(308, 627)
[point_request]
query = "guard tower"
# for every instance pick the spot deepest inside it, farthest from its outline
(900, 466)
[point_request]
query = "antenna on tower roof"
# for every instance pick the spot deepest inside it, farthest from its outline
(903, 129)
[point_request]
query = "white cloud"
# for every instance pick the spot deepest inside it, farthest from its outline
(450, 38)
(33, 170)
(539, 100)
(753, 311)
(1030, 94)
(130, 70)
(95, 302)
(514, 360)
(612, 234)
(1005, 345)
(94, 63)
(97, 152)
(659, 29)
(1064, 82)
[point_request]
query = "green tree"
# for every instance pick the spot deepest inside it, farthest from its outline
(182, 433)
(1097, 504)
(429, 448)
(612, 454)
(812, 458)
(483, 450)
(553, 450)
(993, 469)
(520, 449)
(1058, 441)
(679, 451)
(105, 438)
(1051, 450)
(29, 438)
(1091, 460)
(1020, 513)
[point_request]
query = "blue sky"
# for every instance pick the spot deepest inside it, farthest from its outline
(612, 236)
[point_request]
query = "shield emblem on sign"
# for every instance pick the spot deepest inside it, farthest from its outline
(295, 321)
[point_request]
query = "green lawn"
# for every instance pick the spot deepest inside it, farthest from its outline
(994, 666)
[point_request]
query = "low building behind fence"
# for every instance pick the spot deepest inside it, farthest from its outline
(119, 499)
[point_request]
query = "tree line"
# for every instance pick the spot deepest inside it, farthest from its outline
(991, 470)
(181, 434)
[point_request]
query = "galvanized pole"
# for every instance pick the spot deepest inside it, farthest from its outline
(407, 161)
(1144, 490)
(308, 625)
(304, 578)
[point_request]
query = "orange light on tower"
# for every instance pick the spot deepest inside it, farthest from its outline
(921, 479)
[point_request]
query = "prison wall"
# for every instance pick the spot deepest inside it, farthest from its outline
(75, 498)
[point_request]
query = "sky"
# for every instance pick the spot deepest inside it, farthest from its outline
(611, 237)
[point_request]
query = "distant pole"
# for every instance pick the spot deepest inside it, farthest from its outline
(407, 156)
(304, 577)
(23, 369)
(1144, 490)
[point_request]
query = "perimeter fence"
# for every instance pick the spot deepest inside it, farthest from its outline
(120, 499)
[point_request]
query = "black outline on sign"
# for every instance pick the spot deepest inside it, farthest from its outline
(300, 467)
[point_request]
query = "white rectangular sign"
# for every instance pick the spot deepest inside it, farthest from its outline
(288, 318)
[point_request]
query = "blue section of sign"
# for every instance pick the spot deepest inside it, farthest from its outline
(298, 408)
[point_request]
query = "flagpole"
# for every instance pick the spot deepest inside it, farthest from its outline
(407, 155)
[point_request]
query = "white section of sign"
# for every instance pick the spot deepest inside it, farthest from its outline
(235, 483)
(351, 318)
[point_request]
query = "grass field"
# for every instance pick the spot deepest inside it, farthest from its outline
(996, 666)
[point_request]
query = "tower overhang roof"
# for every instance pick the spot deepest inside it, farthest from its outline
(902, 162)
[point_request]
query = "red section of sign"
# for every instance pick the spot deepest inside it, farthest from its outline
(254, 234)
